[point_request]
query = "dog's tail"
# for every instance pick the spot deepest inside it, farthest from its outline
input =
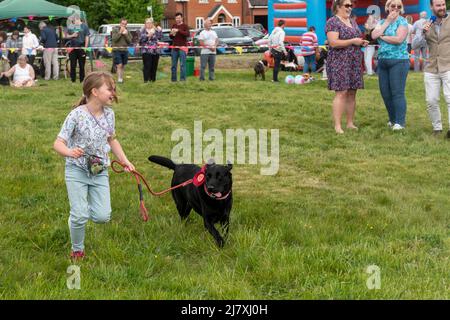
(162, 161)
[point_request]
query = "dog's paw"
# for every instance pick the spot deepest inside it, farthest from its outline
(220, 242)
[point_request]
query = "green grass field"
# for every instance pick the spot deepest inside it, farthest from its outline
(337, 205)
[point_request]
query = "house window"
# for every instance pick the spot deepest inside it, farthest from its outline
(221, 18)
(236, 21)
(199, 23)
(203, 1)
(164, 1)
(165, 23)
(232, 1)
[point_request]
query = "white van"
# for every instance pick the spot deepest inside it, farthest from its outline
(133, 28)
(108, 28)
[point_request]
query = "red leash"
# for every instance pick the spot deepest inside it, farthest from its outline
(138, 176)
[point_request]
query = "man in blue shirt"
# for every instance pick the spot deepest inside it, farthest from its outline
(49, 41)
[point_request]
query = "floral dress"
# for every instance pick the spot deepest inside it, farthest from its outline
(344, 65)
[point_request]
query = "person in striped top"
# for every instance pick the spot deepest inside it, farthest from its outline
(309, 47)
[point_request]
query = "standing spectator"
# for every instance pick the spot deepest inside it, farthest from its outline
(14, 43)
(179, 33)
(421, 49)
(29, 44)
(121, 39)
(3, 51)
(208, 40)
(49, 41)
(393, 62)
(309, 49)
(277, 49)
(369, 51)
(344, 62)
(78, 32)
(409, 19)
(22, 72)
(437, 71)
(148, 40)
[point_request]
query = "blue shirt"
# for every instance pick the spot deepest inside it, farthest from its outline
(83, 32)
(393, 51)
(49, 39)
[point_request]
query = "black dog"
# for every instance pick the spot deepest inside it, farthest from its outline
(210, 196)
(260, 69)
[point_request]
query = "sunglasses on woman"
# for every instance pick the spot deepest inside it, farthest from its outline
(348, 6)
(393, 6)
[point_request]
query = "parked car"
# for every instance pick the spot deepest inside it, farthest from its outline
(166, 41)
(229, 37)
(257, 26)
(252, 33)
(222, 24)
(263, 44)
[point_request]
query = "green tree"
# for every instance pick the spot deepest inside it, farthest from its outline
(110, 11)
(134, 11)
(97, 11)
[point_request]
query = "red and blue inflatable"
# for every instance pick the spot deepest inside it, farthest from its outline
(301, 14)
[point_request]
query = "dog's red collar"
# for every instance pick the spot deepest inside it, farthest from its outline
(211, 195)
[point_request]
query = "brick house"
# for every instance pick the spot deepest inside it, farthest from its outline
(195, 12)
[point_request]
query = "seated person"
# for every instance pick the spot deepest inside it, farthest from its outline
(22, 72)
(290, 62)
(320, 64)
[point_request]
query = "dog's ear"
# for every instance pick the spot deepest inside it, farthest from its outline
(229, 165)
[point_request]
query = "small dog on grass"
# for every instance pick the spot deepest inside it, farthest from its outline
(209, 195)
(260, 69)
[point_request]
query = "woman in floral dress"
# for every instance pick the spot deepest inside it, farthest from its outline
(344, 62)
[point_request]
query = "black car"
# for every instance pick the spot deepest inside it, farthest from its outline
(252, 33)
(229, 38)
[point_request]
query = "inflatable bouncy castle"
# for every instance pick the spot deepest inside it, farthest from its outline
(301, 14)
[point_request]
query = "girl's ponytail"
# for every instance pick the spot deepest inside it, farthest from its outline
(83, 100)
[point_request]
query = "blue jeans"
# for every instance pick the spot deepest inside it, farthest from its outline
(89, 200)
(392, 75)
(178, 53)
(309, 61)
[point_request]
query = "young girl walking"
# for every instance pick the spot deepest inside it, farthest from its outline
(86, 137)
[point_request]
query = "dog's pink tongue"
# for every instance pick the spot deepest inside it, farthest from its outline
(218, 194)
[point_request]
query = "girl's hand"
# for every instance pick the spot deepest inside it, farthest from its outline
(128, 166)
(365, 43)
(76, 153)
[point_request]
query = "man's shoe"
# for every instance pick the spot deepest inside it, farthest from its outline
(397, 127)
(437, 132)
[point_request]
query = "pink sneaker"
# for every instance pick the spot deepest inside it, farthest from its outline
(77, 255)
